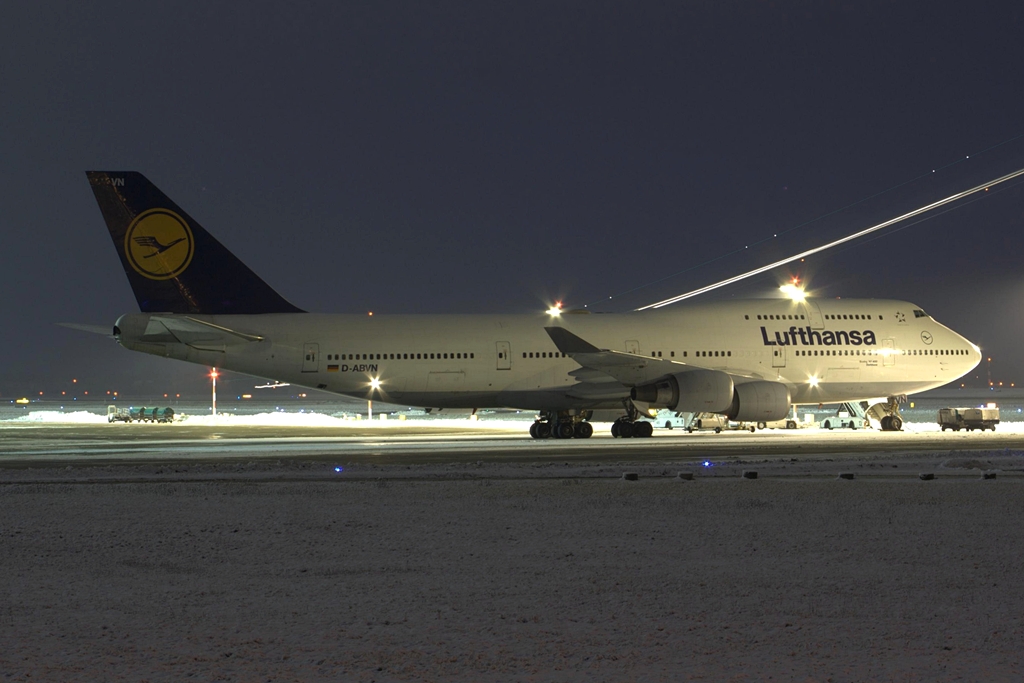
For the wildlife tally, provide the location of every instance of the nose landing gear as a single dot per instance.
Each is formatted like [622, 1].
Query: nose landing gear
[892, 421]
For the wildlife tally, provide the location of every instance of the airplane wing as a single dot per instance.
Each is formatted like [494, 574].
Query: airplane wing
[616, 366]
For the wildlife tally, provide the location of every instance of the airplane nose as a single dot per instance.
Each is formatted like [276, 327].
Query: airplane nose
[975, 354]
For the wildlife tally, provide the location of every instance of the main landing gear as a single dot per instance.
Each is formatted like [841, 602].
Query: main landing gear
[629, 426]
[561, 425]
[892, 421]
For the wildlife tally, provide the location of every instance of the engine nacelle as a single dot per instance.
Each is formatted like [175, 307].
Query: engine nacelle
[696, 391]
[759, 402]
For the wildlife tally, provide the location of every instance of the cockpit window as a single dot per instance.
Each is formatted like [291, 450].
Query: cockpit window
[918, 313]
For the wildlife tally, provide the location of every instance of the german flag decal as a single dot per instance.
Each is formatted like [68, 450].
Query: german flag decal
[332, 368]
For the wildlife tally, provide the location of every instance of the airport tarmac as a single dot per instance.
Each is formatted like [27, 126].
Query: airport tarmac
[52, 443]
[464, 550]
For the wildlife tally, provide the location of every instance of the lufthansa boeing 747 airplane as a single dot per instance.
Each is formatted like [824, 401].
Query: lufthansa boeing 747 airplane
[749, 360]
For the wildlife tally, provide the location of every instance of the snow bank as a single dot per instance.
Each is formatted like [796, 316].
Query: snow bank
[56, 416]
[283, 419]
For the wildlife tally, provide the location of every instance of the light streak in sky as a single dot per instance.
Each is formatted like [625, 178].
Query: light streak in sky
[848, 238]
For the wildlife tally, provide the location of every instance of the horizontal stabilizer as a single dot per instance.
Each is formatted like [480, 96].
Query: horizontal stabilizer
[105, 330]
[194, 325]
[199, 334]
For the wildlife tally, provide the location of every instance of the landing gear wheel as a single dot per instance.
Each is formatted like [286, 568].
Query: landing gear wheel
[564, 430]
[886, 423]
[896, 423]
[615, 430]
[543, 430]
[642, 430]
[790, 424]
[533, 430]
[626, 430]
[762, 425]
[583, 430]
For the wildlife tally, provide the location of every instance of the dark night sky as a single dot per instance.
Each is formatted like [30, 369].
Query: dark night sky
[480, 156]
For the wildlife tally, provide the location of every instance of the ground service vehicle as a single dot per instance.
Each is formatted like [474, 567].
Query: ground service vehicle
[969, 418]
[116, 414]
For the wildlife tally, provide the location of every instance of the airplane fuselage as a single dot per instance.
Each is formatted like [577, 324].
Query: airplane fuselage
[822, 350]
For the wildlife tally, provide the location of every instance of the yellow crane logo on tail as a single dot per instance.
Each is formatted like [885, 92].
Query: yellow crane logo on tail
[159, 244]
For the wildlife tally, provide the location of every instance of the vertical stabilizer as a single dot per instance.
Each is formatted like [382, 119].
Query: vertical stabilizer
[172, 263]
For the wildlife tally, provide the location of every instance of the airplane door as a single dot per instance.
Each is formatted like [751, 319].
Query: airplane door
[888, 352]
[778, 356]
[814, 315]
[504, 355]
[311, 357]
[633, 346]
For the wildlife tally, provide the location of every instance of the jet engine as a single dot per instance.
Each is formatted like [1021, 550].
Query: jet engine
[696, 391]
[759, 402]
[713, 391]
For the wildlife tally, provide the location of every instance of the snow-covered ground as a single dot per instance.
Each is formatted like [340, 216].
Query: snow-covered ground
[313, 419]
[510, 573]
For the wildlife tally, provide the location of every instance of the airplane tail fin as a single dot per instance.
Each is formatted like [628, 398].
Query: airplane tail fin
[172, 263]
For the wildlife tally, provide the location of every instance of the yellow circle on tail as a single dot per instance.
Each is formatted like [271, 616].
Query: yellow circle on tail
[159, 244]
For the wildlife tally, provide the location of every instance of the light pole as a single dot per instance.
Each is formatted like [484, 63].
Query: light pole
[374, 385]
[213, 376]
